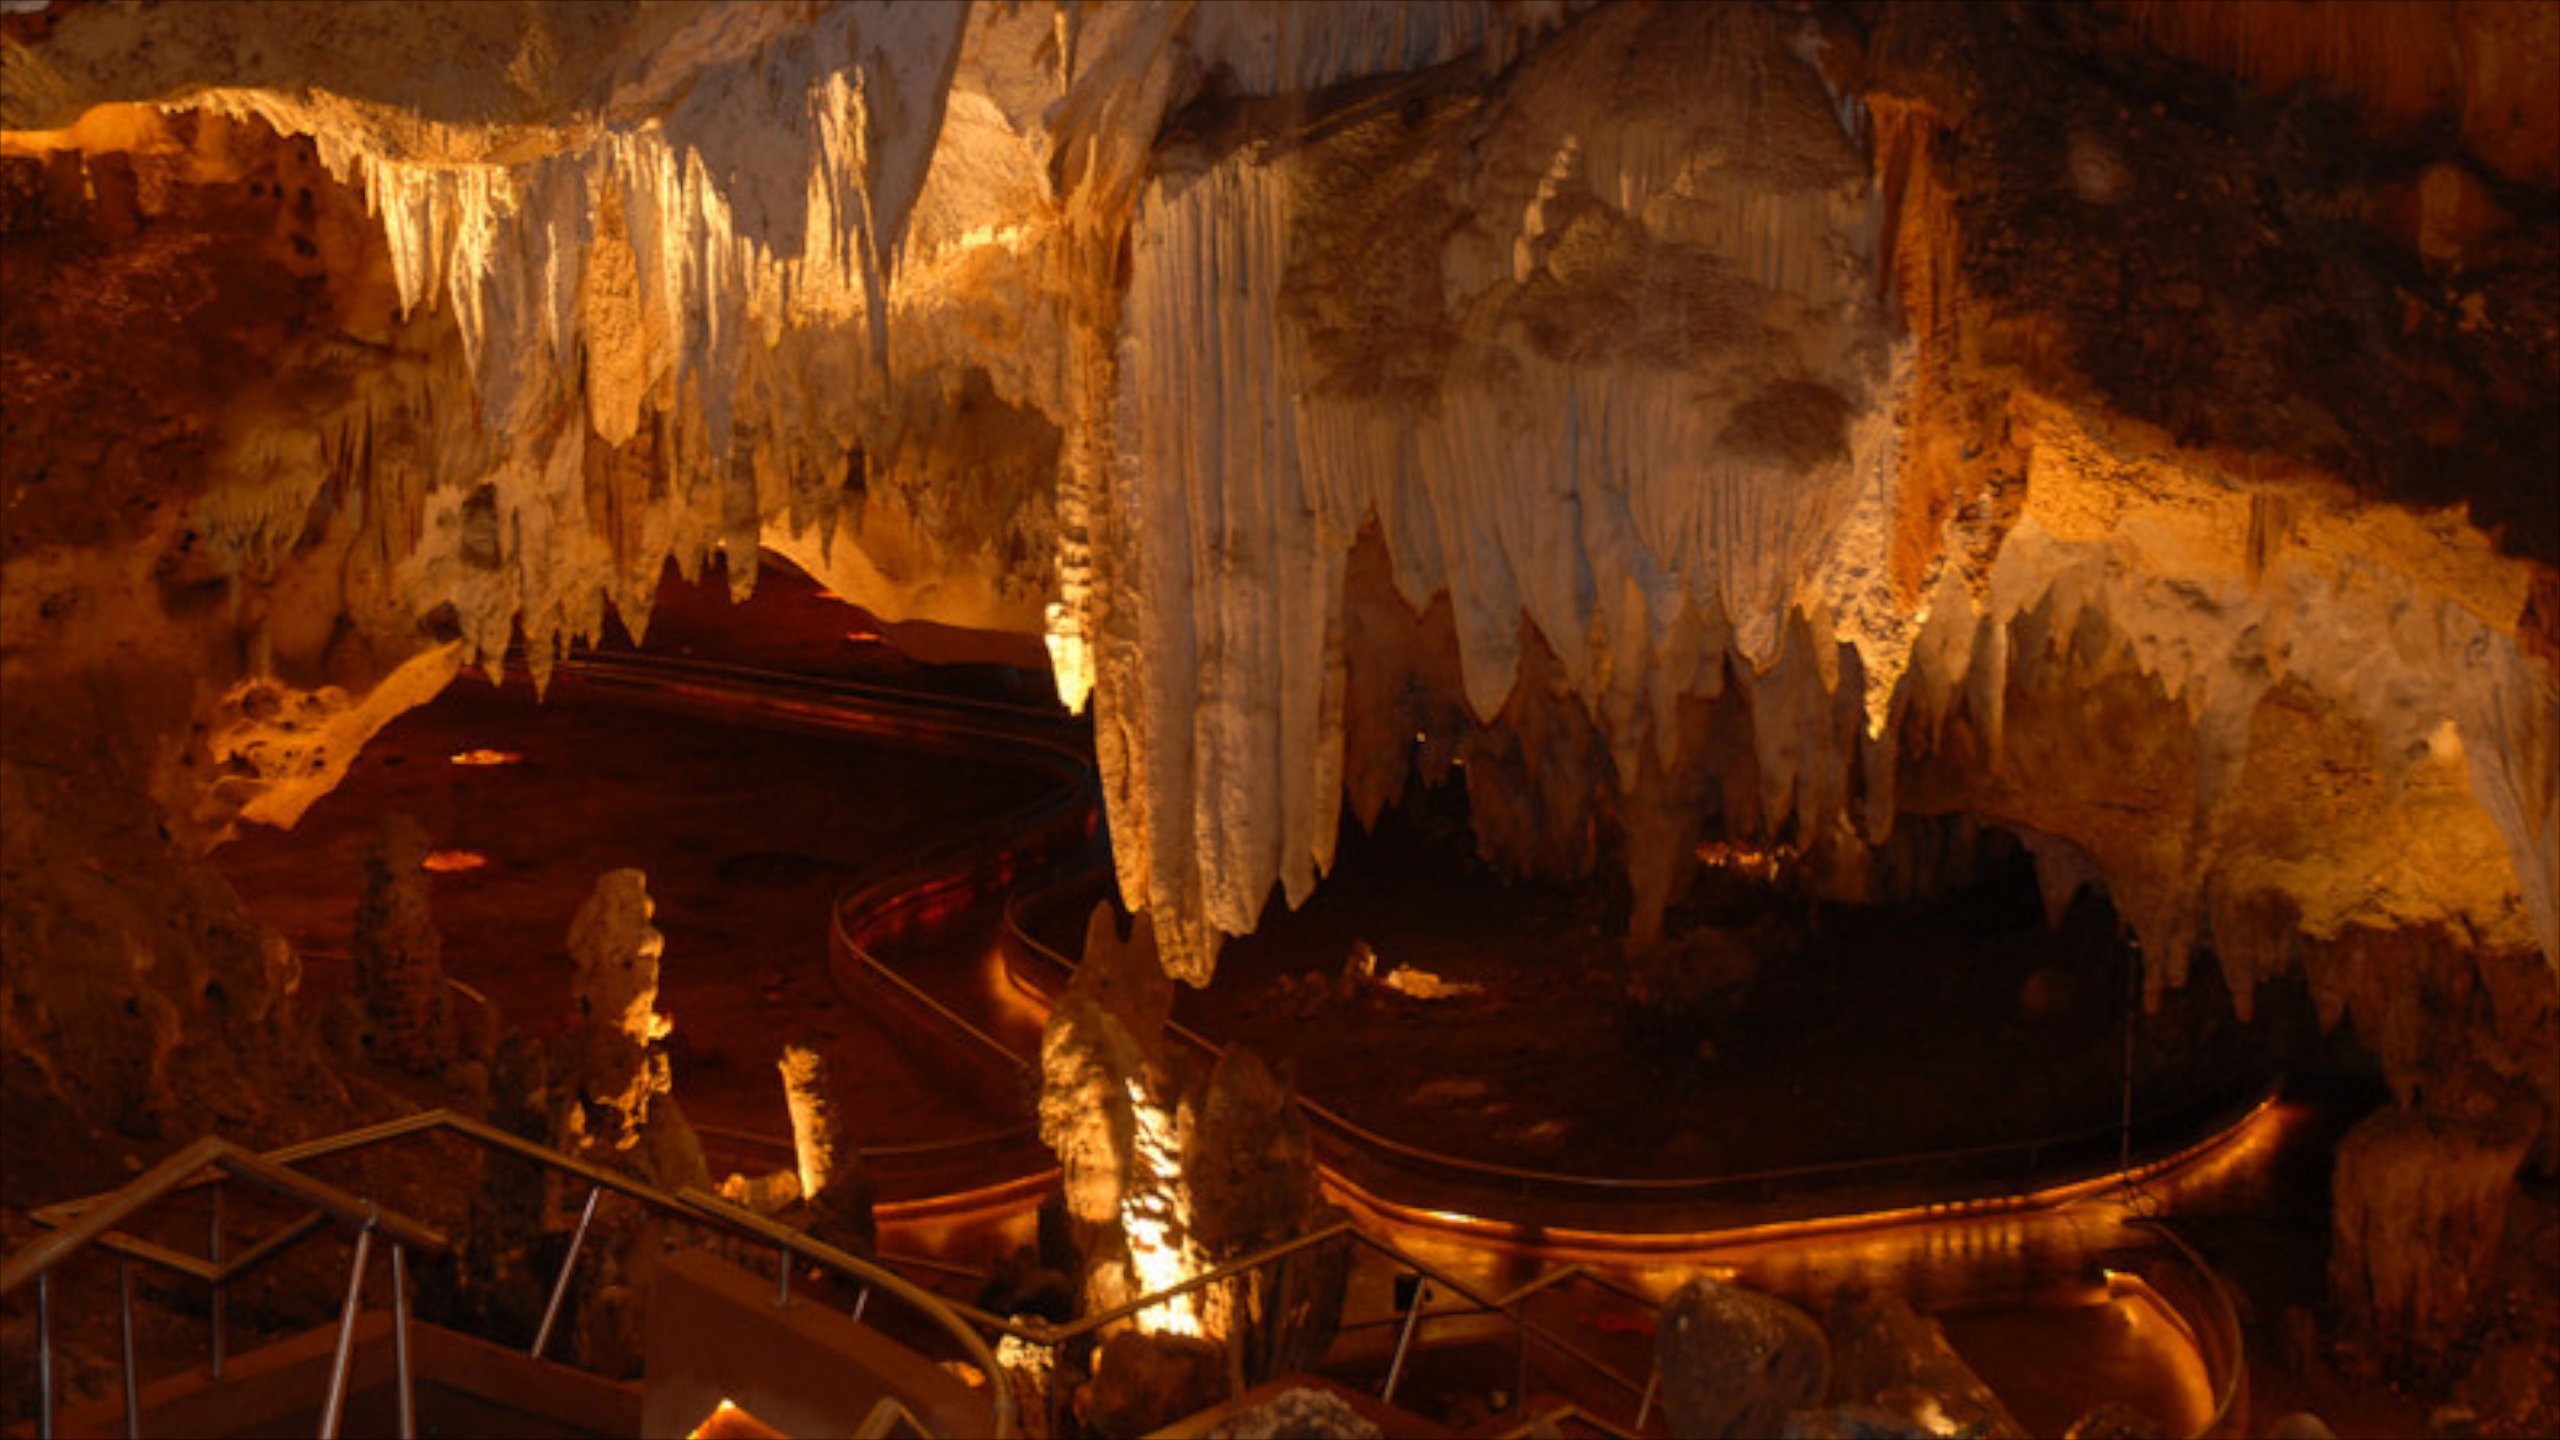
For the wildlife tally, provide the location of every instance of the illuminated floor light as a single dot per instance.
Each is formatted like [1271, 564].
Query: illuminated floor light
[487, 757]
[452, 862]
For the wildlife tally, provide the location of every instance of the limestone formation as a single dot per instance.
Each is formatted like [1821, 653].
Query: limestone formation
[833, 1182]
[619, 1061]
[399, 956]
[1303, 1411]
[1253, 1183]
[1800, 423]
[1165, 1180]
[1736, 1363]
[1885, 1356]
[1125, 977]
[1106, 1111]
[1144, 1382]
[2421, 1201]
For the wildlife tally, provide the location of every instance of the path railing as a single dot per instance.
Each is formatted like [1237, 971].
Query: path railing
[211, 1163]
[2042, 1169]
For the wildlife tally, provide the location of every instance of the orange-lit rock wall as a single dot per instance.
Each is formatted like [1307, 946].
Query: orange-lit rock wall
[2125, 424]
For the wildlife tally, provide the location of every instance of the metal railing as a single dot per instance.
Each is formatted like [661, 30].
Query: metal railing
[1036, 834]
[1411, 1320]
[82, 1224]
[2201, 1298]
[985, 858]
[2004, 1169]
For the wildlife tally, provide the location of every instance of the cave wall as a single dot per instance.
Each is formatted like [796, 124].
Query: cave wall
[2127, 427]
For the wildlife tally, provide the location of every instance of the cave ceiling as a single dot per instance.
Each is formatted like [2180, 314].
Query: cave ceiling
[2129, 424]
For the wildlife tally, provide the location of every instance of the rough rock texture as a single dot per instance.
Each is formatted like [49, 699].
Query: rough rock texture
[618, 1062]
[497, 1284]
[833, 1180]
[2422, 1201]
[1813, 379]
[1253, 1183]
[1104, 1111]
[1886, 1356]
[399, 956]
[1125, 977]
[1735, 1362]
[1773, 422]
[1316, 1414]
[1144, 1382]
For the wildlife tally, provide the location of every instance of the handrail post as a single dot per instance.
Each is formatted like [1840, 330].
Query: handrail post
[221, 1308]
[568, 1263]
[860, 1299]
[402, 1377]
[782, 1277]
[124, 1326]
[1520, 1385]
[1652, 1383]
[1412, 1322]
[334, 1407]
[44, 1354]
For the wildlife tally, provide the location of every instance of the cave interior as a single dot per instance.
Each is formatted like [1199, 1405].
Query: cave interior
[1580, 717]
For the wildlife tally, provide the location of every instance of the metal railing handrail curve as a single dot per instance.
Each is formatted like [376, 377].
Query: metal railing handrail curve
[1019, 935]
[91, 1220]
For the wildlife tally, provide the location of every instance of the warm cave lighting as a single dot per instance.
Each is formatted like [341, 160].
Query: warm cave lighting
[728, 1422]
[454, 862]
[1155, 1215]
[1423, 985]
[865, 637]
[487, 757]
[1751, 862]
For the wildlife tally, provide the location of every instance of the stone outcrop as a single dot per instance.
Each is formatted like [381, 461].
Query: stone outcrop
[2421, 1208]
[399, 955]
[1253, 1182]
[1775, 422]
[1144, 1382]
[1103, 1111]
[618, 1059]
[1736, 1363]
[619, 1081]
[1886, 1356]
[833, 1181]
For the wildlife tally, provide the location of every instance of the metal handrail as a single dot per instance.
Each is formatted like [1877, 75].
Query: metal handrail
[873, 1276]
[1513, 1175]
[1041, 740]
[927, 877]
[78, 1224]
[1036, 1331]
[2225, 1318]
[87, 1220]
[211, 1159]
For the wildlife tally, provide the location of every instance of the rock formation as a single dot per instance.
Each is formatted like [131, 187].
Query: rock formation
[1735, 1362]
[617, 1067]
[618, 1064]
[833, 1183]
[399, 956]
[1771, 422]
[2422, 1201]
[1886, 1356]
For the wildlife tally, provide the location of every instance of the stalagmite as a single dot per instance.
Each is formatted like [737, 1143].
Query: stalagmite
[399, 956]
[1652, 408]
[620, 1064]
[832, 1180]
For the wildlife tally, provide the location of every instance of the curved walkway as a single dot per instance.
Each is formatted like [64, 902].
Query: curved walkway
[1019, 860]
